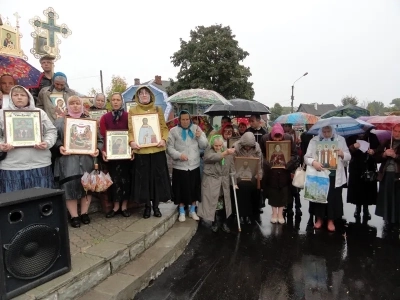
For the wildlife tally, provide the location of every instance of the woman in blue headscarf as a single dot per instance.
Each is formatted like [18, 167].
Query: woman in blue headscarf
[333, 210]
[184, 144]
[53, 99]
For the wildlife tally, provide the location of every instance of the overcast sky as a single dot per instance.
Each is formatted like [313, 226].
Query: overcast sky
[349, 47]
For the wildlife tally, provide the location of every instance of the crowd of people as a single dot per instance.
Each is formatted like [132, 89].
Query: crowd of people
[206, 176]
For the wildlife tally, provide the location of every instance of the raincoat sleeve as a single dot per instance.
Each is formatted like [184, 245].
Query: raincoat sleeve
[59, 124]
[130, 126]
[259, 155]
[163, 126]
[49, 130]
[345, 149]
[171, 151]
[211, 157]
[202, 140]
[40, 99]
[309, 157]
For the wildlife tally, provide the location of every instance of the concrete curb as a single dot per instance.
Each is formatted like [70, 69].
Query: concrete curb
[137, 275]
[100, 261]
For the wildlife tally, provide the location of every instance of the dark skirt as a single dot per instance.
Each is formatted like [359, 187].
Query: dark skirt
[11, 180]
[121, 174]
[361, 192]
[247, 197]
[72, 186]
[278, 197]
[334, 208]
[186, 186]
[150, 180]
[388, 204]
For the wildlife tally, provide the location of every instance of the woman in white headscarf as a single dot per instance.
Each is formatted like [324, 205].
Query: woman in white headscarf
[334, 208]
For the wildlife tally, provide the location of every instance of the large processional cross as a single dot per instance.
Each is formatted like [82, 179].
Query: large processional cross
[45, 35]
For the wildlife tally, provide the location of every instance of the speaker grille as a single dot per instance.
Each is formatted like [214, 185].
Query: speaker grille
[32, 251]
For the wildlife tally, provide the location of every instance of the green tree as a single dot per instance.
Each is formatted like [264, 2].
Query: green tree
[118, 85]
[376, 108]
[349, 100]
[396, 103]
[92, 92]
[276, 111]
[211, 60]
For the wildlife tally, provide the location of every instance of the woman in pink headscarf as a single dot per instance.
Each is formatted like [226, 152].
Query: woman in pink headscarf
[69, 168]
[277, 181]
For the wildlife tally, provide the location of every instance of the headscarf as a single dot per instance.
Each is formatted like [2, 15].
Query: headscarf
[185, 131]
[226, 126]
[321, 136]
[74, 115]
[59, 74]
[105, 99]
[212, 141]
[117, 113]
[277, 129]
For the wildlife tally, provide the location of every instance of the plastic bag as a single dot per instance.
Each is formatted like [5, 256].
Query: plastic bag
[299, 178]
[316, 186]
[85, 180]
[103, 182]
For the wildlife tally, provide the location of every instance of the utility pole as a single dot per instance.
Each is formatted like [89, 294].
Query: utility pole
[292, 97]
[101, 82]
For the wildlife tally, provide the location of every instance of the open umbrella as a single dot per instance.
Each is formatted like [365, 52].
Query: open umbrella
[384, 122]
[238, 107]
[347, 110]
[345, 126]
[297, 118]
[197, 96]
[382, 135]
[25, 74]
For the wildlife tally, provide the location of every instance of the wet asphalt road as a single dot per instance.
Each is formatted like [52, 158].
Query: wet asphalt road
[279, 262]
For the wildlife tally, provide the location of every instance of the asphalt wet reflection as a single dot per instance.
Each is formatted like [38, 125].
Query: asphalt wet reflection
[279, 262]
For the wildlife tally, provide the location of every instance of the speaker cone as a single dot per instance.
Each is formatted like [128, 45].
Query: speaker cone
[32, 251]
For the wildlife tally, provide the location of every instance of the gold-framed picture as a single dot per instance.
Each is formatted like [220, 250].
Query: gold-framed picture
[60, 107]
[278, 153]
[246, 169]
[96, 114]
[117, 145]
[146, 129]
[326, 154]
[80, 136]
[232, 140]
[129, 105]
[22, 128]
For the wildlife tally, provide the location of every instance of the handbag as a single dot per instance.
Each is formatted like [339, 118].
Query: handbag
[299, 177]
[369, 175]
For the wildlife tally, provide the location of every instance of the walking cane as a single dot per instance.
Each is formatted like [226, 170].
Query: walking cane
[236, 205]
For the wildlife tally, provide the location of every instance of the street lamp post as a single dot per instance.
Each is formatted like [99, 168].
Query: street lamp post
[305, 74]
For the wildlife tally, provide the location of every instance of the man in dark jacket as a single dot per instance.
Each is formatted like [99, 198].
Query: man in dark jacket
[45, 78]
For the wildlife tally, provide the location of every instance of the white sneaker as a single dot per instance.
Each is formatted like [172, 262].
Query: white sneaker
[194, 216]
[182, 218]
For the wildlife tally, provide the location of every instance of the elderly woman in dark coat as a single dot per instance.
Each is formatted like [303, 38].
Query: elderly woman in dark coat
[361, 192]
[248, 193]
[69, 168]
[215, 186]
[388, 155]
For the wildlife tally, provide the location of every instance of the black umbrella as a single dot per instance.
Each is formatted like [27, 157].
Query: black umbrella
[239, 107]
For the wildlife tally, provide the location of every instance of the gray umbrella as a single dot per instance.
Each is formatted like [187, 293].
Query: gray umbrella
[239, 108]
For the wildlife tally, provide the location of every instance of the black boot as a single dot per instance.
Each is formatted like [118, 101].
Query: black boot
[366, 214]
[147, 212]
[357, 212]
[157, 212]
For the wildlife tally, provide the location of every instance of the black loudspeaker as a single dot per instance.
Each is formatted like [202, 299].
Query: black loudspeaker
[33, 238]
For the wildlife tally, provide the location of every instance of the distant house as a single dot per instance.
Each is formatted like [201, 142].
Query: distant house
[315, 108]
[158, 87]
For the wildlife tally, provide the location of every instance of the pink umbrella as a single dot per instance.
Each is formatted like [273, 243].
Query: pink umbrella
[384, 122]
[382, 135]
